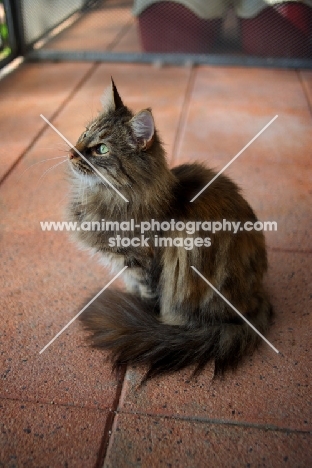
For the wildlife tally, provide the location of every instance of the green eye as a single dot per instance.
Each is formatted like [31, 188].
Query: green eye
[101, 149]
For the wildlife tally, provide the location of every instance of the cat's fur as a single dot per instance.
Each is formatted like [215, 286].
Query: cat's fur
[169, 318]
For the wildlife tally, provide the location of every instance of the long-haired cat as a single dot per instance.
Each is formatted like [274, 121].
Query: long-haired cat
[169, 317]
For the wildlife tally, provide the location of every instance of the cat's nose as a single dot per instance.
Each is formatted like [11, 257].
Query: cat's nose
[72, 154]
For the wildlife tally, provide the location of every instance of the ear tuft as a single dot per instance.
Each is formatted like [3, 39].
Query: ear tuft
[144, 128]
[111, 99]
[117, 99]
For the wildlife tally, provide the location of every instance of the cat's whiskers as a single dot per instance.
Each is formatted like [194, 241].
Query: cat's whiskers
[63, 148]
[48, 170]
[41, 162]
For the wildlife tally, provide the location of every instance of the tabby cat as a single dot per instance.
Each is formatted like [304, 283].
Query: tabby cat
[169, 317]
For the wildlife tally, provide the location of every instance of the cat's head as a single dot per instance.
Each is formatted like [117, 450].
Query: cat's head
[118, 145]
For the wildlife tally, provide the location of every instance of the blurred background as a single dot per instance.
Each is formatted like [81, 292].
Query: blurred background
[249, 32]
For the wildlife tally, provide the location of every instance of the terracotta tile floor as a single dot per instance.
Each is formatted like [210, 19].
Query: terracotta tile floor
[64, 408]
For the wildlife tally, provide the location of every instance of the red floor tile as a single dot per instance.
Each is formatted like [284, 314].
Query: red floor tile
[24, 96]
[229, 106]
[140, 440]
[38, 435]
[46, 284]
[274, 171]
[281, 193]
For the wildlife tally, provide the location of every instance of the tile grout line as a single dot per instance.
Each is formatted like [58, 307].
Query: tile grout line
[286, 250]
[183, 114]
[34, 140]
[110, 419]
[225, 422]
[173, 417]
[304, 89]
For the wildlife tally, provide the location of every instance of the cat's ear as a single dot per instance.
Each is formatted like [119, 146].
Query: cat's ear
[111, 99]
[143, 128]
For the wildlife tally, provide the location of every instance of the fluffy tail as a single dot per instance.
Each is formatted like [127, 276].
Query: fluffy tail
[121, 323]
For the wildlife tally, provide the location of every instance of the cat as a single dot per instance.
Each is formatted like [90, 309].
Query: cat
[168, 318]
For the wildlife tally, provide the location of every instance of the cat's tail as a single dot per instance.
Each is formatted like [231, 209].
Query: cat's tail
[121, 323]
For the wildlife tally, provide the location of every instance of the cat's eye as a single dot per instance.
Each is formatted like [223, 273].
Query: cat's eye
[101, 149]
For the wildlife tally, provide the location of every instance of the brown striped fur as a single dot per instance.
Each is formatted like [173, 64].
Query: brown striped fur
[169, 318]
